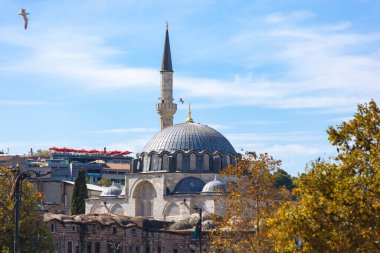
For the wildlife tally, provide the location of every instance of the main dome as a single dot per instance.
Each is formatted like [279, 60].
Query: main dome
[189, 136]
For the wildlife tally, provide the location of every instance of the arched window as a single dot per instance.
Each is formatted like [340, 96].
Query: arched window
[206, 162]
[193, 161]
[165, 162]
[154, 162]
[144, 195]
[217, 163]
[228, 159]
[179, 161]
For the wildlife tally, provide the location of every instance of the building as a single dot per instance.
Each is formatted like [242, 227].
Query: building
[66, 162]
[107, 233]
[115, 172]
[177, 169]
[58, 194]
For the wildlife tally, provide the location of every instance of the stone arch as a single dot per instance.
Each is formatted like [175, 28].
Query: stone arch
[96, 208]
[117, 209]
[172, 210]
[144, 195]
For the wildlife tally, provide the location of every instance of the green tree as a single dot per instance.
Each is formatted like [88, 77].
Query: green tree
[43, 153]
[79, 193]
[104, 182]
[252, 198]
[34, 236]
[339, 199]
[282, 178]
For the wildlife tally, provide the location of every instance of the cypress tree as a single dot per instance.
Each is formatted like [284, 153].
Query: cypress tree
[79, 194]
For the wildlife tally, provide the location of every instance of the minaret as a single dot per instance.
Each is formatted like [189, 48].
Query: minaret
[166, 108]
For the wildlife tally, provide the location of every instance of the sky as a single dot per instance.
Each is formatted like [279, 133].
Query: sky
[271, 76]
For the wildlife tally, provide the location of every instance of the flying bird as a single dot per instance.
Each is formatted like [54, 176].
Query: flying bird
[181, 100]
[24, 17]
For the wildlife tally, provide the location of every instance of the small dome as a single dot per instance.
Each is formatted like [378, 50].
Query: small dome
[112, 191]
[214, 186]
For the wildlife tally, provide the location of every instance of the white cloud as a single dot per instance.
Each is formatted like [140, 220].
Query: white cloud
[325, 67]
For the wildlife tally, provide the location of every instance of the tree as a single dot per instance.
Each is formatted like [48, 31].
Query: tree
[251, 199]
[79, 193]
[34, 235]
[43, 153]
[282, 178]
[104, 182]
[339, 199]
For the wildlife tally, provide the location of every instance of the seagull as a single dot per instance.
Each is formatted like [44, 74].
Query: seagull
[24, 17]
[181, 100]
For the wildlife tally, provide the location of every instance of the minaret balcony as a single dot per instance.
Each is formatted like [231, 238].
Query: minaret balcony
[166, 107]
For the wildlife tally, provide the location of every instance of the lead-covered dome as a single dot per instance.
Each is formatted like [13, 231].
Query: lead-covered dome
[112, 191]
[189, 136]
[214, 186]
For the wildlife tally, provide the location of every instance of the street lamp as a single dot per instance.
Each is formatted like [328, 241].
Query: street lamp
[16, 190]
[196, 208]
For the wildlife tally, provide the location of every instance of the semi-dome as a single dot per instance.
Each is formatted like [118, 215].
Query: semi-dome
[112, 191]
[189, 136]
[214, 186]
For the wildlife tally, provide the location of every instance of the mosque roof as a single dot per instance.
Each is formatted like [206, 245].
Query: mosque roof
[189, 136]
[111, 191]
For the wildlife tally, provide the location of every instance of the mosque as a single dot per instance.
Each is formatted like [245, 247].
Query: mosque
[177, 169]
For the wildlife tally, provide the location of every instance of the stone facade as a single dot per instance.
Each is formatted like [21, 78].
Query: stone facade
[162, 196]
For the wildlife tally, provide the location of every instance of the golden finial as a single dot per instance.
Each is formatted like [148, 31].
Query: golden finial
[189, 119]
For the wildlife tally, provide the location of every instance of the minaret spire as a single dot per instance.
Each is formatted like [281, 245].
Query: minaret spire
[166, 108]
[166, 56]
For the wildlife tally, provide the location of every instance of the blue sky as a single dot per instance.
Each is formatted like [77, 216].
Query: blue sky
[270, 75]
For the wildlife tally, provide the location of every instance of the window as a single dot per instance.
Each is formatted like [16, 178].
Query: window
[114, 231]
[89, 249]
[133, 231]
[165, 162]
[74, 228]
[179, 161]
[130, 250]
[53, 228]
[57, 247]
[175, 251]
[69, 247]
[206, 162]
[228, 158]
[147, 249]
[193, 162]
[159, 250]
[97, 247]
[77, 249]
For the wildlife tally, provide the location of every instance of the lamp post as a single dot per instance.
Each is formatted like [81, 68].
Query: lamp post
[196, 208]
[19, 176]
